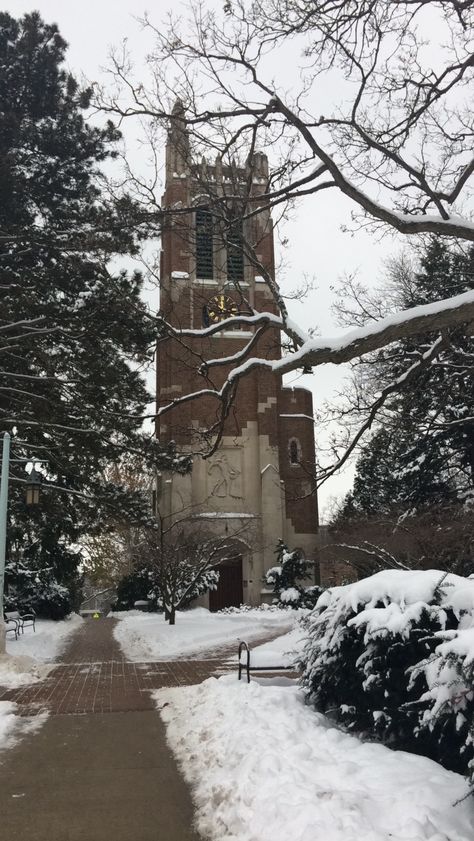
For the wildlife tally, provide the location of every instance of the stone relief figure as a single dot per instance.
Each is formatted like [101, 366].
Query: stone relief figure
[225, 479]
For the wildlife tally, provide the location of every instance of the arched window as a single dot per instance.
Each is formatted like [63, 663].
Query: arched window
[204, 244]
[294, 451]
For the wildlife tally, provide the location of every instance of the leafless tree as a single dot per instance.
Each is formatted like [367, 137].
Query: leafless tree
[439, 537]
[184, 563]
[395, 138]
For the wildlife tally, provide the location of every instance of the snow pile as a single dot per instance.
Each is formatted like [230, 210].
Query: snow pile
[8, 721]
[285, 650]
[48, 641]
[392, 655]
[13, 726]
[147, 636]
[265, 767]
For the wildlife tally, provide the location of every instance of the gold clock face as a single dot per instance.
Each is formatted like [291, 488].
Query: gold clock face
[220, 307]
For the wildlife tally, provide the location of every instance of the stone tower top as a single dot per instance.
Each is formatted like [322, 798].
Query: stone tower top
[179, 162]
[178, 154]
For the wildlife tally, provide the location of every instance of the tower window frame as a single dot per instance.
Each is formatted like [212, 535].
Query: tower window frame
[294, 452]
[235, 268]
[204, 243]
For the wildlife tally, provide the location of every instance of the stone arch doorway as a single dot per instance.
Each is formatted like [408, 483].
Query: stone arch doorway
[229, 591]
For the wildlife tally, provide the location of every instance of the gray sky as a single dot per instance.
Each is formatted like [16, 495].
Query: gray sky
[317, 245]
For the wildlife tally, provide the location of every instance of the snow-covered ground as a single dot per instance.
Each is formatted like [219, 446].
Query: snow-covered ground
[34, 649]
[147, 637]
[265, 767]
[12, 726]
[282, 651]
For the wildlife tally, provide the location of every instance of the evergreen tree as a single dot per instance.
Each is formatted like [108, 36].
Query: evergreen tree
[422, 454]
[74, 328]
[286, 578]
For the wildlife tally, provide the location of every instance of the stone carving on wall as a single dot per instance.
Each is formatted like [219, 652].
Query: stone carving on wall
[225, 476]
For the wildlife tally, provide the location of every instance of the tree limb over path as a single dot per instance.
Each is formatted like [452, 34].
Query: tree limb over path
[394, 138]
[428, 318]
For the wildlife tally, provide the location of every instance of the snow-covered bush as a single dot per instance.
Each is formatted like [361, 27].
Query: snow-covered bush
[134, 587]
[382, 655]
[448, 703]
[38, 590]
[261, 608]
[285, 578]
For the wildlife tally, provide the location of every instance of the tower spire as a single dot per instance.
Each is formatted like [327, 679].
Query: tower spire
[178, 154]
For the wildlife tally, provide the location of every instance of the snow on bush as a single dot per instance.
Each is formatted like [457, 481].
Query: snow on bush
[285, 579]
[246, 608]
[36, 589]
[392, 656]
[448, 703]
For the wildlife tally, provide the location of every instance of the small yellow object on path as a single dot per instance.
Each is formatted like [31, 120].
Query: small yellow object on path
[96, 616]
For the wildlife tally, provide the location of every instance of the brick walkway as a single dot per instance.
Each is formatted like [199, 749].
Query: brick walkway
[94, 677]
[99, 767]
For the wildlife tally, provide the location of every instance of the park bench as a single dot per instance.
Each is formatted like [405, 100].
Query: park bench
[260, 661]
[11, 627]
[19, 621]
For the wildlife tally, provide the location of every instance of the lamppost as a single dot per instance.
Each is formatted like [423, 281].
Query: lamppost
[32, 498]
[3, 529]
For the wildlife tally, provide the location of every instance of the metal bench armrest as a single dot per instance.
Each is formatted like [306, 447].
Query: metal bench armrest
[14, 626]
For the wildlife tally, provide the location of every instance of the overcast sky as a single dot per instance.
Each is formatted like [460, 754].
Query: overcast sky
[317, 246]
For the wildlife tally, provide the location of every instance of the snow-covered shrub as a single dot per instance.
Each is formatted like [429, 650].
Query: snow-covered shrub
[448, 703]
[285, 578]
[262, 608]
[36, 589]
[374, 660]
[134, 587]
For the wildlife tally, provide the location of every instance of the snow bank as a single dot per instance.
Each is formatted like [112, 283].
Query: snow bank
[48, 641]
[148, 637]
[285, 650]
[12, 726]
[265, 767]
[8, 721]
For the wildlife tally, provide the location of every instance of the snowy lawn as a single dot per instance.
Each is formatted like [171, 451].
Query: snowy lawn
[265, 767]
[282, 651]
[147, 637]
[32, 650]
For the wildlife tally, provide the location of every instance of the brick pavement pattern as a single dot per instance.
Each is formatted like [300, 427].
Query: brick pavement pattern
[94, 677]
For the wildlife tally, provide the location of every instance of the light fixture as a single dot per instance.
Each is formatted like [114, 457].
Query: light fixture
[33, 487]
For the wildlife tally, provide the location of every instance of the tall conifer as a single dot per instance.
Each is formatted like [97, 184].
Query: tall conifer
[73, 328]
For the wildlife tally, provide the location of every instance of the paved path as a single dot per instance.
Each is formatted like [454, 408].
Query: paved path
[94, 677]
[99, 769]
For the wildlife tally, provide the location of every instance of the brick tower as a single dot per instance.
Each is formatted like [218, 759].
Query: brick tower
[257, 487]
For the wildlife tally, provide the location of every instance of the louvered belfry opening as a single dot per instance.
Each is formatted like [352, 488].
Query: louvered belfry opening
[204, 244]
[235, 253]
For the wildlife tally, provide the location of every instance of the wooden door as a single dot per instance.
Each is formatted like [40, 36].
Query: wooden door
[229, 591]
